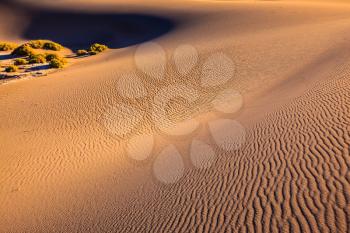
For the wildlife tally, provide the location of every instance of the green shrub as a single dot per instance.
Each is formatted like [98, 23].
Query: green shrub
[20, 61]
[97, 48]
[52, 46]
[82, 52]
[7, 46]
[51, 56]
[23, 50]
[45, 44]
[37, 58]
[36, 44]
[57, 63]
[11, 69]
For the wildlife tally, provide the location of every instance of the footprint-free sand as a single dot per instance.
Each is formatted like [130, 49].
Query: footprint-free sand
[63, 170]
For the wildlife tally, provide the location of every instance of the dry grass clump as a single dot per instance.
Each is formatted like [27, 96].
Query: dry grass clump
[23, 50]
[37, 59]
[52, 46]
[93, 50]
[7, 46]
[11, 69]
[45, 44]
[27, 49]
[29, 55]
[57, 63]
[36, 44]
[51, 56]
[20, 61]
[97, 48]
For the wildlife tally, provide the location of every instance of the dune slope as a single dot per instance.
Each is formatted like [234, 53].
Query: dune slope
[63, 170]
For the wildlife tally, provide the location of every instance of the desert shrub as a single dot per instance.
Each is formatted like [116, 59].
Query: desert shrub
[97, 48]
[82, 52]
[27, 48]
[7, 46]
[45, 44]
[52, 46]
[11, 69]
[57, 63]
[36, 44]
[23, 50]
[37, 58]
[20, 61]
[51, 56]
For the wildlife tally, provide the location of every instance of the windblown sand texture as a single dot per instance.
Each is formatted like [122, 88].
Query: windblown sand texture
[61, 170]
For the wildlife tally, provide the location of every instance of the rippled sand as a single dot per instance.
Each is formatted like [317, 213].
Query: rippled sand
[88, 149]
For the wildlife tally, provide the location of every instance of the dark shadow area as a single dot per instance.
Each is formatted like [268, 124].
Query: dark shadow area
[5, 77]
[79, 29]
[6, 56]
[38, 68]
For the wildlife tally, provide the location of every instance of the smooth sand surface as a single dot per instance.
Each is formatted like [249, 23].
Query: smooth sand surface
[65, 168]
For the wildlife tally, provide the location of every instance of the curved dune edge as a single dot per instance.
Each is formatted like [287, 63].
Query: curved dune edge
[61, 171]
[76, 29]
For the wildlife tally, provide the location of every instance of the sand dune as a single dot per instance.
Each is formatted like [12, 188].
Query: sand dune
[78, 29]
[275, 73]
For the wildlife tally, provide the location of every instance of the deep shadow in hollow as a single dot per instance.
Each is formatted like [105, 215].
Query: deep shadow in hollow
[78, 30]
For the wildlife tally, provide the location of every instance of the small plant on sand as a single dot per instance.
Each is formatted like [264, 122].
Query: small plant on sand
[52, 46]
[36, 44]
[51, 56]
[57, 63]
[82, 52]
[7, 46]
[36, 58]
[45, 44]
[20, 61]
[23, 50]
[97, 48]
[11, 69]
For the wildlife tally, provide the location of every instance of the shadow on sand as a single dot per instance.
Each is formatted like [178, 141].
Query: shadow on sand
[6, 56]
[77, 29]
[38, 68]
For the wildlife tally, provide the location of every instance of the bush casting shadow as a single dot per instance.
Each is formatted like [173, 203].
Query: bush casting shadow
[78, 30]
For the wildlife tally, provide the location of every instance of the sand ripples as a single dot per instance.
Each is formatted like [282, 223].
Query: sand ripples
[79, 150]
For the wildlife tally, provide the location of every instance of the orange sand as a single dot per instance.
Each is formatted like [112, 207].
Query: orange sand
[61, 169]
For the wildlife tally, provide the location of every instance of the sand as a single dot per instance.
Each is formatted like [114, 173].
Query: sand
[261, 89]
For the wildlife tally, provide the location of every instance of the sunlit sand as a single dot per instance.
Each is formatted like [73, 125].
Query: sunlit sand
[203, 116]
